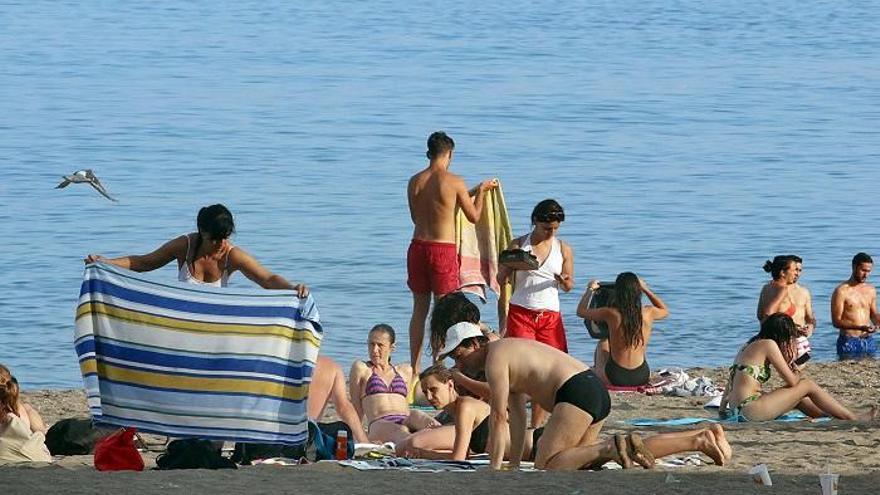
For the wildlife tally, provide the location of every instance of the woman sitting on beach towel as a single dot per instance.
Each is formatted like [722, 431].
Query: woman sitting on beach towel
[775, 346]
[379, 390]
[620, 359]
[22, 430]
[470, 434]
[206, 256]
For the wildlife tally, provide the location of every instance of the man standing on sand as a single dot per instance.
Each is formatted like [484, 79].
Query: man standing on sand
[854, 311]
[432, 259]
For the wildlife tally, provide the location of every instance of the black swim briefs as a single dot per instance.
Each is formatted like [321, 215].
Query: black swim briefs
[587, 392]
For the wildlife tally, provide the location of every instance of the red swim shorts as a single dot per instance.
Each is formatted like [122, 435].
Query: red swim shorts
[432, 267]
[544, 326]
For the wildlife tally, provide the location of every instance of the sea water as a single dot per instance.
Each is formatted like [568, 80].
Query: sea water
[687, 141]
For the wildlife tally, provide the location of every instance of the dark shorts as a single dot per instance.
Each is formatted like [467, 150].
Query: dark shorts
[625, 377]
[544, 326]
[587, 392]
[856, 346]
[432, 267]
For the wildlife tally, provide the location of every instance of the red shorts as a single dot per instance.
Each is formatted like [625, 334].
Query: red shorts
[432, 267]
[544, 326]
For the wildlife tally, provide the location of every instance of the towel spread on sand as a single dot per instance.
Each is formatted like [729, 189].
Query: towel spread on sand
[195, 361]
[788, 417]
[480, 244]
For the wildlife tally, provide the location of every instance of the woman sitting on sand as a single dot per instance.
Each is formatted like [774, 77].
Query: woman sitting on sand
[470, 434]
[620, 359]
[22, 430]
[379, 390]
[775, 345]
[206, 256]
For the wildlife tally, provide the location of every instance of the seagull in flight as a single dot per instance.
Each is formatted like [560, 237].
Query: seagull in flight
[85, 176]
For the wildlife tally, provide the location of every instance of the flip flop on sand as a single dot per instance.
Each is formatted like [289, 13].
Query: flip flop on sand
[622, 454]
[640, 454]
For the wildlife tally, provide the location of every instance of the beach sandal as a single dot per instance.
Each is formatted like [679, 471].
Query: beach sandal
[640, 453]
[622, 455]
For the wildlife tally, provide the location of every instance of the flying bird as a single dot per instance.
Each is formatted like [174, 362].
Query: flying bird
[85, 176]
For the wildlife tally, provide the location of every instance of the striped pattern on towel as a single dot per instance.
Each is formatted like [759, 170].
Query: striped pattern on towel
[194, 361]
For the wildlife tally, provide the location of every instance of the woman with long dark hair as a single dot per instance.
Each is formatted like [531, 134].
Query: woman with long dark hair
[774, 347]
[207, 256]
[620, 359]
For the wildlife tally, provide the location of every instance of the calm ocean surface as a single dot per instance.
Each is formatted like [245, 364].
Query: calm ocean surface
[687, 141]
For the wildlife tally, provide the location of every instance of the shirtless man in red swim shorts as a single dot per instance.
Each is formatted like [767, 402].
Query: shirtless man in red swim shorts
[432, 259]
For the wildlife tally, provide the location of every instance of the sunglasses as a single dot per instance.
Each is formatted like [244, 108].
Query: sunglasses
[553, 216]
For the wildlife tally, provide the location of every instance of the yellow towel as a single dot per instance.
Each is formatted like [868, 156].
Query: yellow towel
[480, 244]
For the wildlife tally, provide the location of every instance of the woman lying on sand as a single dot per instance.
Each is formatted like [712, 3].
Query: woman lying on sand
[620, 359]
[775, 345]
[379, 390]
[470, 434]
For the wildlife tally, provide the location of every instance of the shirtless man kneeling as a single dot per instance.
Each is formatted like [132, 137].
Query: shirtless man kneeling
[579, 403]
[854, 311]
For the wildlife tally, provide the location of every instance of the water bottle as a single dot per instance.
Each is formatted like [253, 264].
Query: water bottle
[341, 445]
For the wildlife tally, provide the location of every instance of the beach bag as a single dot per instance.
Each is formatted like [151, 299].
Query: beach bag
[193, 453]
[320, 446]
[117, 452]
[75, 436]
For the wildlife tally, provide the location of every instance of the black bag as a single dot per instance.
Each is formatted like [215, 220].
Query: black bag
[75, 436]
[321, 445]
[193, 453]
[518, 259]
[601, 299]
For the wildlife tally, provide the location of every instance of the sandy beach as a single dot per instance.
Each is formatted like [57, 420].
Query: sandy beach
[796, 452]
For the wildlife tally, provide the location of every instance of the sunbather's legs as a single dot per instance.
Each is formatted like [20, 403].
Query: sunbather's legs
[432, 443]
[784, 399]
[807, 407]
[600, 359]
[421, 305]
[569, 440]
[322, 384]
[328, 383]
[539, 416]
[420, 420]
[702, 440]
[382, 431]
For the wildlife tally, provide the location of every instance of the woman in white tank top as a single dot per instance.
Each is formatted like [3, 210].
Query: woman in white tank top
[207, 256]
[534, 306]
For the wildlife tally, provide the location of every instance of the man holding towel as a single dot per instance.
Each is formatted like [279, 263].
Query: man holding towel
[432, 259]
